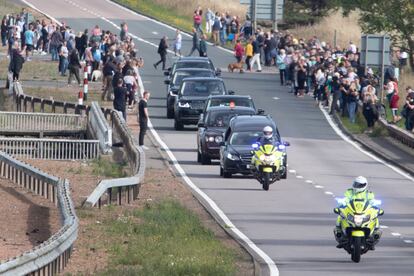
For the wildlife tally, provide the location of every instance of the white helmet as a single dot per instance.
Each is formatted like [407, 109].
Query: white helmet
[360, 184]
[268, 132]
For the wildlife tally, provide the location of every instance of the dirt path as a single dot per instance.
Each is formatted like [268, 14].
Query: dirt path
[27, 220]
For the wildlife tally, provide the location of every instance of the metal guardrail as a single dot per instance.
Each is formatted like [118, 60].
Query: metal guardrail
[40, 122]
[129, 186]
[399, 134]
[50, 149]
[51, 256]
[99, 128]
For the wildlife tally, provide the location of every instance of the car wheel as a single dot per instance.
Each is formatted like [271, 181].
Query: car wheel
[178, 125]
[205, 160]
[170, 113]
[226, 174]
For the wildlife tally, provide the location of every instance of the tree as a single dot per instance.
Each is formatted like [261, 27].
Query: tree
[394, 17]
[303, 12]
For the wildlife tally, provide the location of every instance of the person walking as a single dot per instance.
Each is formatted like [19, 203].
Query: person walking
[74, 66]
[162, 51]
[256, 55]
[120, 95]
[203, 46]
[143, 117]
[238, 51]
[178, 42]
[249, 54]
[196, 43]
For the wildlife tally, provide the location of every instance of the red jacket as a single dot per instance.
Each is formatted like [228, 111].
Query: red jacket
[197, 19]
[238, 50]
[394, 100]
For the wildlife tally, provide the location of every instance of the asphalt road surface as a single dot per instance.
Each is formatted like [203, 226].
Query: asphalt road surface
[292, 222]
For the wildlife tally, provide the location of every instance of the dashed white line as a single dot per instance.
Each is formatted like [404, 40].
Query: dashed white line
[309, 181]
[299, 176]
[328, 193]
[276, 98]
[395, 234]
[318, 187]
[292, 171]
[408, 241]
[384, 227]
[155, 33]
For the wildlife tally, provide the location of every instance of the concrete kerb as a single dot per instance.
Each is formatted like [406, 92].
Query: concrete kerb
[361, 143]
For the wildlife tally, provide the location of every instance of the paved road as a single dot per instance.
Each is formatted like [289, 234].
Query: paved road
[292, 222]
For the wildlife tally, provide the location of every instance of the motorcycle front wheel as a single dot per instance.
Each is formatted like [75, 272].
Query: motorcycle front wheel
[356, 250]
[266, 181]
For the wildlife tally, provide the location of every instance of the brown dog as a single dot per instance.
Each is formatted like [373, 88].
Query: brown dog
[236, 66]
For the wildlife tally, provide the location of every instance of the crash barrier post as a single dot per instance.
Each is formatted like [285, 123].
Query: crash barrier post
[85, 81]
[99, 128]
[15, 122]
[51, 256]
[50, 149]
[128, 187]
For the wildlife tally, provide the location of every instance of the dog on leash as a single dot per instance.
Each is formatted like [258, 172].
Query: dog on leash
[96, 75]
[236, 66]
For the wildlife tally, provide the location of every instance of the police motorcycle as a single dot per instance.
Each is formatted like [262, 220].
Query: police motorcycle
[268, 163]
[359, 225]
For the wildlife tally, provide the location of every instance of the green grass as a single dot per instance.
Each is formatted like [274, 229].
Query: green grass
[107, 168]
[360, 126]
[389, 117]
[162, 13]
[165, 239]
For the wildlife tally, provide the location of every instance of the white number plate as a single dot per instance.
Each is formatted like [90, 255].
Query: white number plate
[247, 166]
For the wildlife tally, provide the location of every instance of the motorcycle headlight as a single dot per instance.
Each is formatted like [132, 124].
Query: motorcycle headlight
[183, 104]
[281, 147]
[218, 139]
[262, 157]
[231, 156]
[358, 219]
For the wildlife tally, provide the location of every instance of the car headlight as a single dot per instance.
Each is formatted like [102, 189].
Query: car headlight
[210, 139]
[218, 139]
[232, 157]
[183, 104]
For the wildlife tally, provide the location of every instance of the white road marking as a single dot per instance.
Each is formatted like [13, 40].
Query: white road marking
[299, 176]
[274, 271]
[155, 33]
[292, 171]
[358, 147]
[318, 187]
[309, 181]
[408, 241]
[276, 98]
[383, 226]
[328, 193]
[395, 234]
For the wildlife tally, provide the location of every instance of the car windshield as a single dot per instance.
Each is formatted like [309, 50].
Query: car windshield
[202, 88]
[193, 64]
[245, 138]
[222, 118]
[246, 102]
[179, 76]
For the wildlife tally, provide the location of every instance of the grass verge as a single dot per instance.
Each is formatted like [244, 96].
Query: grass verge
[360, 126]
[164, 239]
[107, 168]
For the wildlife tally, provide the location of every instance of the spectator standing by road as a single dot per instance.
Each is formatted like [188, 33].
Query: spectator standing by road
[197, 21]
[352, 102]
[28, 38]
[143, 117]
[196, 43]
[178, 42]
[16, 61]
[369, 109]
[55, 42]
[209, 20]
[394, 107]
[108, 73]
[63, 59]
[120, 94]
[162, 51]
[408, 111]
[216, 29]
[203, 46]
[280, 62]
[4, 31]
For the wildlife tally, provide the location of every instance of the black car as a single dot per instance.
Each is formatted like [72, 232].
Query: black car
[242, 133]
[173, 84]
[191, 99]
[212, 127]
[193, 62]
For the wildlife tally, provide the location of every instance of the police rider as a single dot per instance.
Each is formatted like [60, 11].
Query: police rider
[267, 137]
[358, 191]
